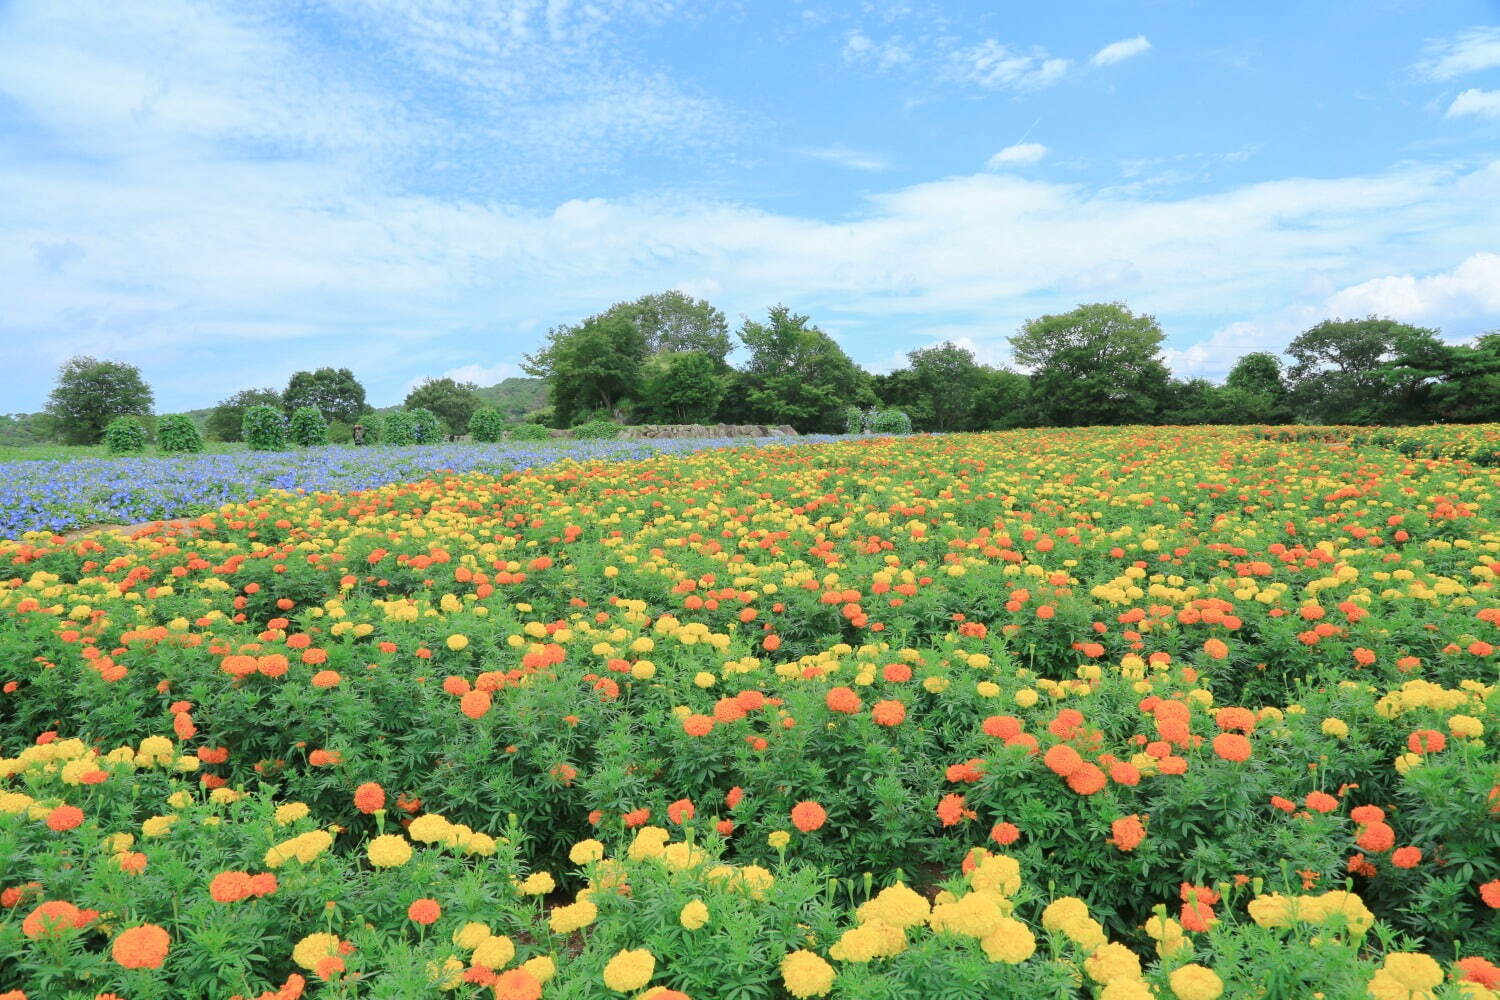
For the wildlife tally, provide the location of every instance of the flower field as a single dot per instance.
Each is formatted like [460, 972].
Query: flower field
[1110, 713]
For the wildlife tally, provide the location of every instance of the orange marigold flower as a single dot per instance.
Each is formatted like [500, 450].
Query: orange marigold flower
[681, 811]
[951, 809]
[475, 704]
[1232, 747]
[1490, 893]
[424, 911]
[1406, 857]
[1087, 780]
[636, 817]
[517, 984]
[888, 713]
[1005, 834]
[55, 917]
[1285, 805]
[844, 700]
[697, 725]
[808, 816]
[1216, 649]
[324, 758]
[1122, 773]
[64, 818]
[1127, 833]
[1002, 727]
[1320, 802]
[229, 887]
[1376, 838]
[369, 797]
[1236, 718]
[1426, 741]
[1479, 970]
[143, 947]
[1367, 814]
[1062, 760]
[326, 679]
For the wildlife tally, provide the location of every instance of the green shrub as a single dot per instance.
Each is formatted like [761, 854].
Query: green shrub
[124, 436]
[374, 425]
[528, 432]
[264, 428]
[891, 422]
[426, 426]
[308, 427]
[486, 424]
[176, 432]
[854, 420]
[398, 428]
[597, 430]
[341, 433]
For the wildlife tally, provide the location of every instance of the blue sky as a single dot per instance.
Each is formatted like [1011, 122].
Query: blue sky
[224, 192]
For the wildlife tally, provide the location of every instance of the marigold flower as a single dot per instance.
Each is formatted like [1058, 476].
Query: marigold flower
[424, 911]
[1087, 780]
[694, 915]
[369, 797]
[1406, 857]
[1196, 982]
[1005, 834]
[55, 917]
[142, 947]
[326, 679]
[64, 818]
[517, 984]
[1062, 760]
[806, 974]
[1232, 747]
[808, 816]
[697, 725]
[1320, 802]
[843, 700]
[1490, 893]
[388, 851]
[888, 713]
[1127, 833]
[629, 970]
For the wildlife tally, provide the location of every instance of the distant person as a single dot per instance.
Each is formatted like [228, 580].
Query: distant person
[359, 433]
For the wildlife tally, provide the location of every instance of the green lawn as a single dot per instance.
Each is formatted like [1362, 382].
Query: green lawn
[36, 452]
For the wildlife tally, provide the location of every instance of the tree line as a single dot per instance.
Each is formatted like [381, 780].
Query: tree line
[664, 358]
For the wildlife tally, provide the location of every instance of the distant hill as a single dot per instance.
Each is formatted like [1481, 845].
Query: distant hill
[514, 397]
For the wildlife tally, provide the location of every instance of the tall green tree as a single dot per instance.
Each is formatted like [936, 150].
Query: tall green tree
[1001, 400]
[798, 375]
[1256, 391]
[334, 392]
[1364, 371]
[673, 322]
[225, 421]
[90, 393]
[454, 402]
[593, 366]
[1469, 390]
[1098, 364]
[685, 387]
[947, 376]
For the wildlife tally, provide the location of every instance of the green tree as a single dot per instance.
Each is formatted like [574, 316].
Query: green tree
[682, 388]
[90, 393]
[673, 323]
[176, 432]
[487, 424]
[1469, 391]
[307, 428]
[901, 388]
[1365, 371]
[947, 377]
[1255, 391]
[1002, 399]
[593, 366]
[797, 375]
[454, 402]
[225, 421]
[1098, 364]
[335, 392]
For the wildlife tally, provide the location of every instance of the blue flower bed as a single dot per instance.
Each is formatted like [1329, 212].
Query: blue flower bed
[62, 495]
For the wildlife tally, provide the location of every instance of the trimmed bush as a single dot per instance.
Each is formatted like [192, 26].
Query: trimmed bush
[124, 436]
[341, 433]
[528, 432]
[308, 427]
[176, 432]
[264, 428]
[891, 422]
[426, 426]
[854, 420]
[486, 425]
[597, 430]
[398, 428]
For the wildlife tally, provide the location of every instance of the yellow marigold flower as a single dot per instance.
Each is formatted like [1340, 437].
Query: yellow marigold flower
[481, 844]
[1061, 911]
[1086, 932]
[1270, 910]
[1465, 726]
[1406, 976]
[649, 842]
[538, 884]
[470, 935]
[778, 839]
[976, 915]
[15, 803]
[156, 750]
[158, 826]
[868, 941]
[457, 641]
[1112, 961]
[388, 851]
[180, 800]
[1127, 989]
[1337, 728]
[567, 919]
[896, 905]
[1195, 982]
[429, 828]
[542, 968]
[694, 915]
[629, 970]
[494, 952]
[448, 976]
[1026, 697]
[1010, 942]
[806, 974]
[997, 873]
[585, 851]
[291, 813]
[314, 948]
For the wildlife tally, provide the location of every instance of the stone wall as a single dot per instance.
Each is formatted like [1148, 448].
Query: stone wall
[706, 431]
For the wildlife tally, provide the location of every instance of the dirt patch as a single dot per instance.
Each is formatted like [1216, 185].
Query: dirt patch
[181, 527]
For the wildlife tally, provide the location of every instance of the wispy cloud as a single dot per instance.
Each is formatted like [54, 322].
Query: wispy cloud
[861, 49]
[996, 66]
[853, 159]
[1020, 154]
[1483, 103]
[1468, 52]
[1125, 48]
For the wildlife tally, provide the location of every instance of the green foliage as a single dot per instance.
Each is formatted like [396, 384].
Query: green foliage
[307, 428]
[125, 436]
[682, 388]
[797, 375]
[487, 424]
[341, 433]
[91, 393]
[398, 428]
[948, 377]
[527, 432]
[1098, 364]
[597, 430]
[515, 398]
[854, 420]
[1365, 371]
[177, 433]
[595, 365]
[225, 421]
[891, 422]
[674, 323]
[335, 392]
[453, 401]
[426, 428]
[264, 428]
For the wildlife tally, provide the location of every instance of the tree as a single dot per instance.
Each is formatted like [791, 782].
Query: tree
[797, 375]
[682, 388]
[673, 323]
[947, 378]
[1001, 399]
[1098, 364]
[1256, 391]
[593, 366]
[454, 402]
[1364, 371]
[335, 392]
[225, 421]
[1470, 388]
[90, 393]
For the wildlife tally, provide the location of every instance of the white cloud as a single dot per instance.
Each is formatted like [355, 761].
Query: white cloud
[996, 66]
[1470, 290]
[484, 375]
[861, 49]
[1017, 155]
[1468, 52]
[853, 159]
[1484, 103]
[1125, 48]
